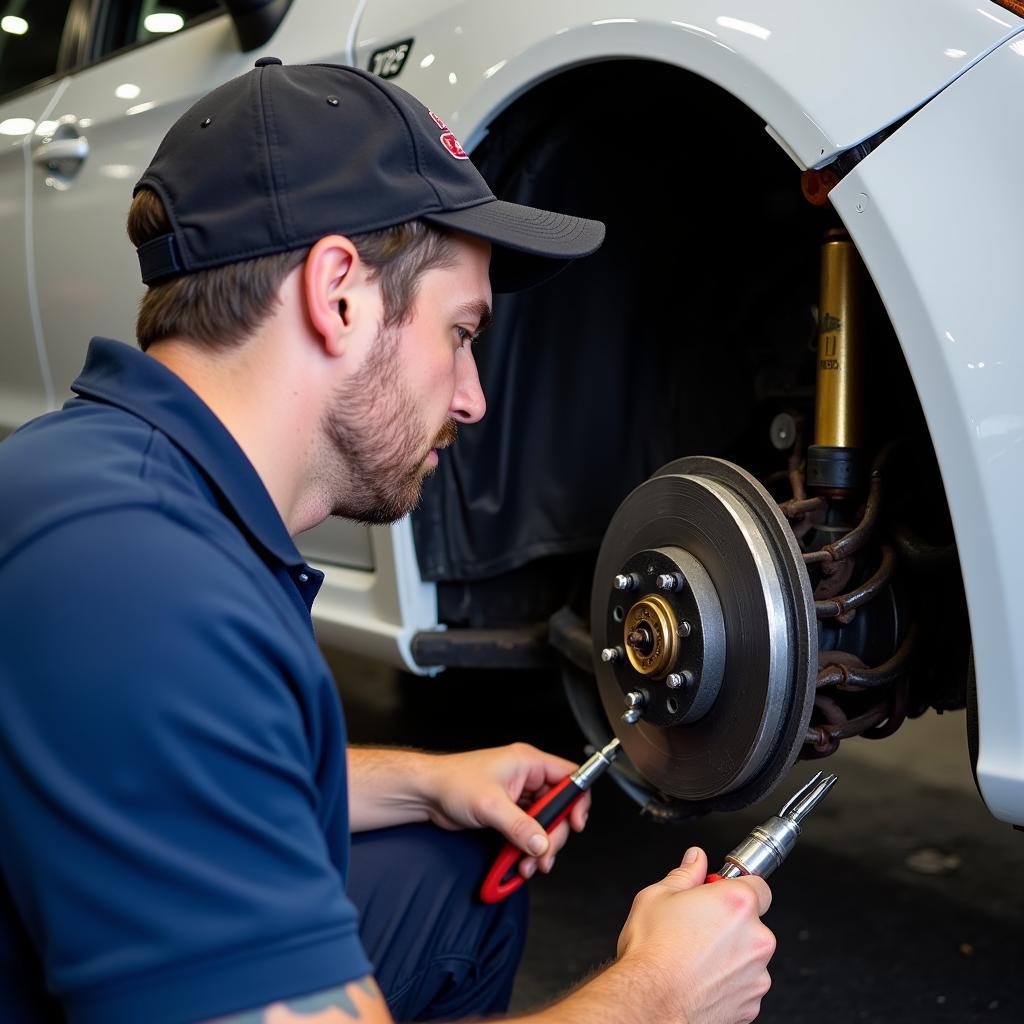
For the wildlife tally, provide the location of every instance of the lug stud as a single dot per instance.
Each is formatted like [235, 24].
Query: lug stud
[611, 654]
[685, 629]
[675, 680]
[632, 716]
[623, 582]
[635, 699]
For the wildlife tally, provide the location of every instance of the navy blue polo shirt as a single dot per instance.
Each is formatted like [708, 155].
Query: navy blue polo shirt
[173, 802]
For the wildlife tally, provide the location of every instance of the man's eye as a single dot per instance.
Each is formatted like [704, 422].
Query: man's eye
[466, 336]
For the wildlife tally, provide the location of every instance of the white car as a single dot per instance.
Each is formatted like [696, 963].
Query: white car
[753, 497]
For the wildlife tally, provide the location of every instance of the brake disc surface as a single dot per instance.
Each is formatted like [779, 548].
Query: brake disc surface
[703, 605]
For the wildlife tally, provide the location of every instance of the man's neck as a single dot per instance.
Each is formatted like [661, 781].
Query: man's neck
[252, 394]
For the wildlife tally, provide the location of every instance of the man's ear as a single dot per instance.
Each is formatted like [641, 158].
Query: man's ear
[334, 288]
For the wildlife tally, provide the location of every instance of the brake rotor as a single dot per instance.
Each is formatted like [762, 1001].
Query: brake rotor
[705, 635]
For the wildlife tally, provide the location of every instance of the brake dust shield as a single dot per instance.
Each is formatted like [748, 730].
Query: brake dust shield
[704, 632]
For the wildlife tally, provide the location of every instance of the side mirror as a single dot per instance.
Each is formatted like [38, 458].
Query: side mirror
[256, 20]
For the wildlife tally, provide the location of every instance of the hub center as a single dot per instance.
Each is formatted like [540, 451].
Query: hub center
[642, 640]
[650, 636]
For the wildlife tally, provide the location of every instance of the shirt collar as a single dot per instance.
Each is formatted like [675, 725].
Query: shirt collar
[123, 376]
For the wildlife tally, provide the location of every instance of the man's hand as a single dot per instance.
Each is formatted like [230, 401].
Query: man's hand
[479, 789]
[701, 948]
[491, 788]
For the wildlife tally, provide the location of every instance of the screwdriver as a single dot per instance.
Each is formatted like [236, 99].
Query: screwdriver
[770, 843]
[550, 811]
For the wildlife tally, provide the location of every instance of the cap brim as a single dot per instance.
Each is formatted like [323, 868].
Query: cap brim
[530, 245]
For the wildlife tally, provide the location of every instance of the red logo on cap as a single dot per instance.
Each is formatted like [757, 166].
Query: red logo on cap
[448, 139]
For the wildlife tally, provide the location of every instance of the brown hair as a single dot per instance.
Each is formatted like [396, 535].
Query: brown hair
[222, 306]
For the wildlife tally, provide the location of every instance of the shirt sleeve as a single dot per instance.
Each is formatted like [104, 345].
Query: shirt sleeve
[163, 842]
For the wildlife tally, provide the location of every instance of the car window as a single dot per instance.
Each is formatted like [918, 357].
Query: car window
[30, 35]
[129, 22]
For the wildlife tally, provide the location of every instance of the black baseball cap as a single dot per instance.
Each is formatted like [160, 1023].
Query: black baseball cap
[281, 156]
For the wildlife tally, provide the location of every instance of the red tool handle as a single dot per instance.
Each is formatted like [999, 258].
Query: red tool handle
[550, 811]
[713, 877]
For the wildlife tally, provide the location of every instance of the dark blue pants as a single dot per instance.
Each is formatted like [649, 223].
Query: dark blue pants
[437, 951]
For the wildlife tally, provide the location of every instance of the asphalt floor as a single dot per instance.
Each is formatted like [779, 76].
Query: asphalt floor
[903, 900]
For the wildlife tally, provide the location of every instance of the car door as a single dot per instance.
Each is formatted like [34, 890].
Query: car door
[106, 125]
[31, 33]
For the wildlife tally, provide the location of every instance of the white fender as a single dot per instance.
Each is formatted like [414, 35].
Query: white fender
[823, 75]
[937, 212]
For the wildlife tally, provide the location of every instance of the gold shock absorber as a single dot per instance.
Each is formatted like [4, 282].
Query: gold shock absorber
[833, 462]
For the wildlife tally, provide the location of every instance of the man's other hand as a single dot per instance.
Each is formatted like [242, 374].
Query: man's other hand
[701, 948]
[492, 788]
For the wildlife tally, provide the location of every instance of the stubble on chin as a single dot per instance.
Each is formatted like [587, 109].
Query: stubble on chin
[374, 463]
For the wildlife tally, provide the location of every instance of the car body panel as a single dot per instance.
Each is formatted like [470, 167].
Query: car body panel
[340, 542]
[808, 68]
[376, 614]
[26, 387]
[937, 212]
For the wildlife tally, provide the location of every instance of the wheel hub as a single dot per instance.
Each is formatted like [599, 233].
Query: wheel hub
[673, 636]
[703, 620]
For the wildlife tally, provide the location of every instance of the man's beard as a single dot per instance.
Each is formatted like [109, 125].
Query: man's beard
[374, 429]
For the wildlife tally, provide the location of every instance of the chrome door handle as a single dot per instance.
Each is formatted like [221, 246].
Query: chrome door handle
[61, 149]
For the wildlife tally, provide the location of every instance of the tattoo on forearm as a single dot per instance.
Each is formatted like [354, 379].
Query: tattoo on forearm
[337, 998]
[315, 1005]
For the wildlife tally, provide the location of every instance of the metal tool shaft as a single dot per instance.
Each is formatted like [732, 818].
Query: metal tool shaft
[770, 843]
[595, 765]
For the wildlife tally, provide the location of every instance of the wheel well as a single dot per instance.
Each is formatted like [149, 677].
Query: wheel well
[691, 328]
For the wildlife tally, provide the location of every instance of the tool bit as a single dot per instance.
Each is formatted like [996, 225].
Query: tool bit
[595, 766]
[769, 843]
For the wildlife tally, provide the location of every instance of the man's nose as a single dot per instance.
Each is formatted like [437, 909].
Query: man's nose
[468, 402]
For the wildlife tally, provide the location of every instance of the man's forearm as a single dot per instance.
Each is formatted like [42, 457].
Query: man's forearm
[385, 787]
[620, 994]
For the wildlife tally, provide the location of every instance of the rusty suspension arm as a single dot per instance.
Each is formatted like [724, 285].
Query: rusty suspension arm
[874, 724]
[878, 721]
[795, 508]
[837, 607]
[857, 677]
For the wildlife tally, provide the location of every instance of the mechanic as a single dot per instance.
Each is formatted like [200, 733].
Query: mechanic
[185, 834]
